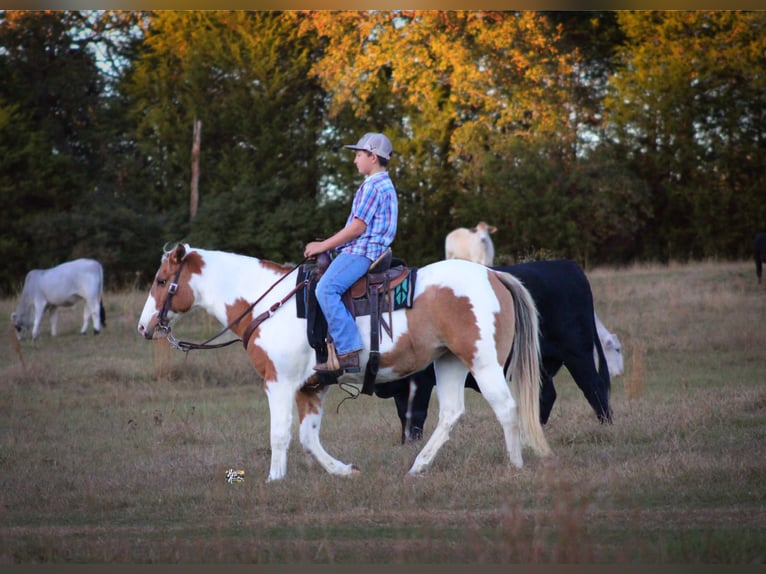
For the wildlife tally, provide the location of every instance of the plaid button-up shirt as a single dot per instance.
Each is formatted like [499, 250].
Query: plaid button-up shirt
[376, 204]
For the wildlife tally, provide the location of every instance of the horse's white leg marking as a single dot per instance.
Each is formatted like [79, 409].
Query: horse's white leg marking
[311, 423]
[450, 390]
[495, 390]
[280, 396]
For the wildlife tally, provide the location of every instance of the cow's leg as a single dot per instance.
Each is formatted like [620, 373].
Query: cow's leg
[399, 390]
[310, 411]
[450, 389]
[39, 312]
[280, 396]
[87, 313]
[413, 408]
[54, 317]
[403, 402]
[591, 384]
[95, 308]
[411, 397]
[547, 390]
[412, 405]
[547, 398]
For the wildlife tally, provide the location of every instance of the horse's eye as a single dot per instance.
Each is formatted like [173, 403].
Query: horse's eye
[161, 282]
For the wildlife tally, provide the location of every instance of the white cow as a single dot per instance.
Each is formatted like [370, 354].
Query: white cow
[612, 348]
[472, 244]
[61, 286]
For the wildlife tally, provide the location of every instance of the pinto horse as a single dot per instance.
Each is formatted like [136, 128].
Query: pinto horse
[464, 318]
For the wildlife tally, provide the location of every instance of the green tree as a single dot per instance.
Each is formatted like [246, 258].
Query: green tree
[244, 76]
[450, 89]
[49, 94]
[601, 136]
[688, 105]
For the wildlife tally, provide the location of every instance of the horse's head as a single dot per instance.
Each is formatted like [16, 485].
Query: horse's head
[170, 295]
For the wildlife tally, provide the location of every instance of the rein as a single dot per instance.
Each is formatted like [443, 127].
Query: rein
[187, 346]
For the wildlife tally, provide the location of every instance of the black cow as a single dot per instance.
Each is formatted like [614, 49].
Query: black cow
[568, 337]
[759, 253]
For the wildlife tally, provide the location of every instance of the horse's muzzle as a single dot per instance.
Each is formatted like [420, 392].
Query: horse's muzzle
[154, 331]
[147, 332]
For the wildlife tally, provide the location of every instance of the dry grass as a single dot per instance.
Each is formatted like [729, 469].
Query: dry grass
[113, 450]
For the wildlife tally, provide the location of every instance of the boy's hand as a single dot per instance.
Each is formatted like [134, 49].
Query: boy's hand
[313, 249]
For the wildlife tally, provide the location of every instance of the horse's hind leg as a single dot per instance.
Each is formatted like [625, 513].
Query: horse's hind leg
[450, 390]
[495, 390]
[310, 411]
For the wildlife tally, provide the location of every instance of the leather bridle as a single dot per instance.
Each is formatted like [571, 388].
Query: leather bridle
[162, 318]
[163, 323]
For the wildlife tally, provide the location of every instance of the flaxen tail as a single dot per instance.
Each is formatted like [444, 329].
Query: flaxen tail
[524, 370]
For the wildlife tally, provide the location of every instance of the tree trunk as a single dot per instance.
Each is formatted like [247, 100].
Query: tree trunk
[194, 200]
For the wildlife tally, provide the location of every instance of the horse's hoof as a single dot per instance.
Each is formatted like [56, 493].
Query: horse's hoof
[355, 470]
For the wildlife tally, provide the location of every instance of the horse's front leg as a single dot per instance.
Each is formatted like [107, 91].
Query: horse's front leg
[280, 396]
[309, 401]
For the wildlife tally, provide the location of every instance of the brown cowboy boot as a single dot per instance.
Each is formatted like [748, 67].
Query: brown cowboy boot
[348, 363]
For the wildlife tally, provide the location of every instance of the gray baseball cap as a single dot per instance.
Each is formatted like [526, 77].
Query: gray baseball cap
[375, 143]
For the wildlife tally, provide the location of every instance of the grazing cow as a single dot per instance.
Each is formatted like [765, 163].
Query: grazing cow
[612, 349]
[473, 244]
[61, 286]
[759, 253]
[568, 336]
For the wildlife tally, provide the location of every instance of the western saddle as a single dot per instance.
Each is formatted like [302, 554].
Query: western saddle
[371, 295]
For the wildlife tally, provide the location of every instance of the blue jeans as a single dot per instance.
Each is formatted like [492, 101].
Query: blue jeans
[342, 273]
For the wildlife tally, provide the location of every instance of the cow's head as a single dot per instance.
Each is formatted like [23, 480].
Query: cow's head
[484, 229]
[21, 322]
[16, 324]
[613, 354]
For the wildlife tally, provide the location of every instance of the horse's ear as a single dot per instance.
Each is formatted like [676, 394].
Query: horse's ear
[492, 228]
[179, 252]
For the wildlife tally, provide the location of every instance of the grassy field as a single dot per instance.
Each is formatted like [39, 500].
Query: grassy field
[114, 449]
